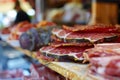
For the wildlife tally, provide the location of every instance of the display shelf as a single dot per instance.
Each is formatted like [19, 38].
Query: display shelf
[72, 71]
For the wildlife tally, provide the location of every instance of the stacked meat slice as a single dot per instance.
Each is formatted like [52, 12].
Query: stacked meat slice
[65, 52]
[93, 33]
[102, 50]
[104, 61]
[107, 68]
[69, 43]
[76, 43]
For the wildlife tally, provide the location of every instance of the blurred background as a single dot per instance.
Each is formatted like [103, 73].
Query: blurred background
[67, 12]
[63, 11]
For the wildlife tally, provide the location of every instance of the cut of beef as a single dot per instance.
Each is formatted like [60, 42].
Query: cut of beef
[64, 53]
[78, 37]
[94, 28]
[108, 67]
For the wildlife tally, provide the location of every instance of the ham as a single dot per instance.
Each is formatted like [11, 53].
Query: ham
[83, 44]
[108, 67]
[68, 36]
[67, 52]
[102, 50]
[108, 45]
[93, 28]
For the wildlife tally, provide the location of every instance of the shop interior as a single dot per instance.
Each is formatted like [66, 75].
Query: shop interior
[19, 64]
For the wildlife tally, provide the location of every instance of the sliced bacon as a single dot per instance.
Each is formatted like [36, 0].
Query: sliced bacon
[93, 28]
[68, 36]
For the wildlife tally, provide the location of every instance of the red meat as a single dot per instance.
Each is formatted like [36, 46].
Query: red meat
[71, 51]
[68, 36]
[94, 28]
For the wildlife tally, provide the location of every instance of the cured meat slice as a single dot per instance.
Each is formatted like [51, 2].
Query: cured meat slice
[20, 28]
[102, 50]
[46, 58]
[93, 28]
[64, 52]
[108, 45]
[6, 30]
[103, 61]
[68, 36]
[83, 44]
[95, 52]
[108, 67]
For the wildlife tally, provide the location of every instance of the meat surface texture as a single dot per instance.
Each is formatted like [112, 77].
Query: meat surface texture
[93, 28]
[68, 36]
[76, 52]
[107, 67]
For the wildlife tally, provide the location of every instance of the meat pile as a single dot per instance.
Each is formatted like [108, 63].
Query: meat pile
[104, 61]
[93, 33]
[72, 43]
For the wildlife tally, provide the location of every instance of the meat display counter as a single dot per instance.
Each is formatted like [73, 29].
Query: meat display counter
[72, 71]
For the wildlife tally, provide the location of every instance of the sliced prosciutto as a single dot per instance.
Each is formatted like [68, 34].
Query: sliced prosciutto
[68, 36]
[83, 44]
[67, 52]
[94, 28]
[102, 50]
[98, 52]
[107, 67]
[108, 45]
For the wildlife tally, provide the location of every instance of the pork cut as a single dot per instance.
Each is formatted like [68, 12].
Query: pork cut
[98, 28]
[102, 50]
[68, 36]
[108, 67]
[64, 53]
[83, 44]
[108, 45]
